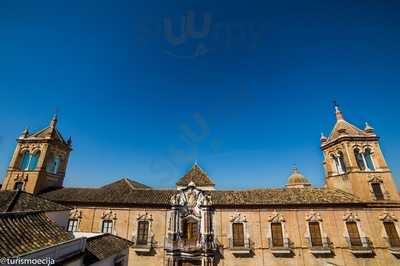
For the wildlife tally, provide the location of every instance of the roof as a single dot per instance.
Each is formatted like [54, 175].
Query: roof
[50, 132]
[21, 233]
[344, 128]
[296, 178]
[103, 246]
[19, 201]
[126, 182]
[122, 195]
[197, 176]
[154, 197]
[283, 196]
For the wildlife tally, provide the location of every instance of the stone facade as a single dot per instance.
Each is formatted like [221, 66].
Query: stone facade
[353, 220]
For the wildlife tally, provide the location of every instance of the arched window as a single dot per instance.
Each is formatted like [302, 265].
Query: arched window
[238, 234]
[24, 164]
[339, 163]
[359, 159]
[368, 159]
[34, 160]
[342, 163]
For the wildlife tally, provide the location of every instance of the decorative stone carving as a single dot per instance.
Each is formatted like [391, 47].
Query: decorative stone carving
[109, 215]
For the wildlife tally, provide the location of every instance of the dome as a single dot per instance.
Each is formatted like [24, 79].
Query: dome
[297, 180]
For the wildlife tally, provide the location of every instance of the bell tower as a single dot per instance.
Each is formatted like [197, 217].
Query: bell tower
[39, 161]
[354, 162]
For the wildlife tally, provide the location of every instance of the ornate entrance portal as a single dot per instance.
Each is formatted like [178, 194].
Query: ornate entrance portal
[190, 239]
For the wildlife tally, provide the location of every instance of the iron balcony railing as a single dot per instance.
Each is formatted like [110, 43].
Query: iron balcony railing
[244, 244]
[143, 245]
[359, 245]
[322, 246]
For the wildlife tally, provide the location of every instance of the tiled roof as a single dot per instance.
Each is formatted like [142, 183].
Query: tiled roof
[46, 133]
[124, 195]
[25, 232]
[103, 246]
[126, 182]
[294, 196]
[197, 176]
[19, 201]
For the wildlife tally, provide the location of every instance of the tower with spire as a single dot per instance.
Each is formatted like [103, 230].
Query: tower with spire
[39, 161]
[353, 162]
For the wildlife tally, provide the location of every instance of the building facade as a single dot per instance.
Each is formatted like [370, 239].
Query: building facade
[352, 220]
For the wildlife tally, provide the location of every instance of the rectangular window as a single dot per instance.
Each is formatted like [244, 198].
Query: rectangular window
[376, 188]
[107, 226]
[315, 234]
[190, 230]
[277, 234]
[142, 233]
[72, 225]
[354, 235]
[392, 234]
[238, 235]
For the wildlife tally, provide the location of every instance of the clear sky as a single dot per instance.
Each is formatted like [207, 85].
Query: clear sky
[145, 88]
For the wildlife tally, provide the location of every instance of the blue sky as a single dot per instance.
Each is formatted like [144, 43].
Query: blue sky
[245, 91]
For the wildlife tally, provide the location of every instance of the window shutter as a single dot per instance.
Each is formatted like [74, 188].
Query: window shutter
[238, 235]
[143, 232]
[354, 235]
[277, 234]
[392, 234]
[315, 234]
[376, 188]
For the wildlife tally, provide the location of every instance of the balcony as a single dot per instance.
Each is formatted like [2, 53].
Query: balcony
[361, 246]
[280, 250]
[323, 249]
[241, 248]
[141, 246]
[183, 245]
[393, 246]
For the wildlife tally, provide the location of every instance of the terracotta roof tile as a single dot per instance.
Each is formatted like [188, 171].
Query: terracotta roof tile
[197, 176]
[19, 201]
[21, 233]
[103, 246]
[150, 197]
[123, 182]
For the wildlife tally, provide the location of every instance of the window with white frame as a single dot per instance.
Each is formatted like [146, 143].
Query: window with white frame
[29, 161]
[107, 226]
[339, 162]
[364, 159]
[72, 225]
[108, 222]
